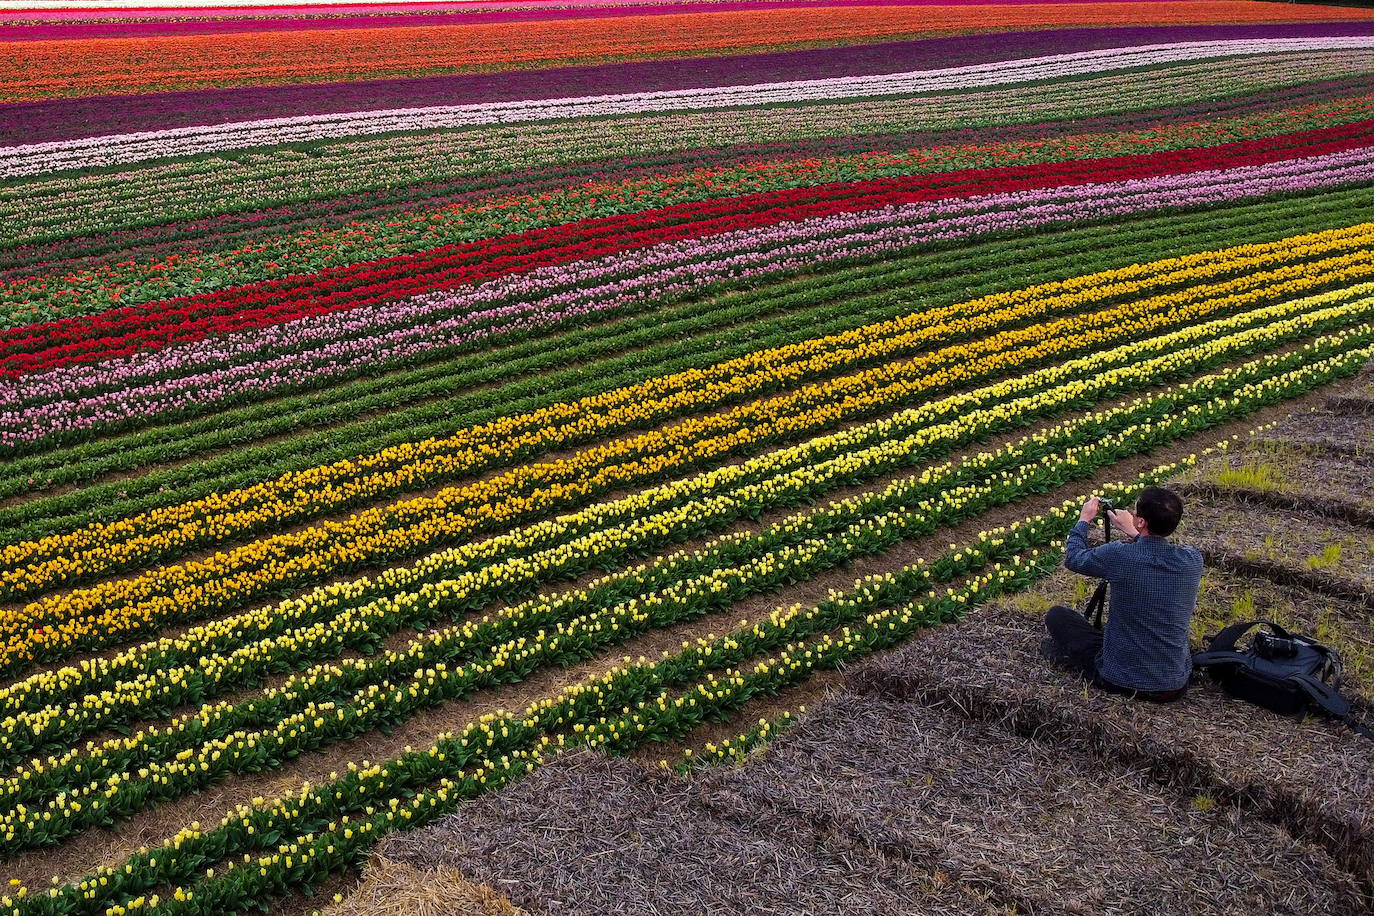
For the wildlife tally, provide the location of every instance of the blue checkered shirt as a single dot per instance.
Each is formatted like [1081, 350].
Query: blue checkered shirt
[1154, 585]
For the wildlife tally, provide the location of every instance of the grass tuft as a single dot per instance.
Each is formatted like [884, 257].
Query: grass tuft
[1252, 475]
[1329, 557]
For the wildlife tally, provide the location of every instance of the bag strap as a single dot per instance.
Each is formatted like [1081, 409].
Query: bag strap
[1219, 657]
[1332, 703]
[1322, 696]
[1093, 612]
[1227, 638]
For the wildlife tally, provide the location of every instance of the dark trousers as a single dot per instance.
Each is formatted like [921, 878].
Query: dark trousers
[1073, 643]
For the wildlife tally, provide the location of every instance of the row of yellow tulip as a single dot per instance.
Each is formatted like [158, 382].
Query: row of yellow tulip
[29, 567]
[116, 789]
[237, 576]
[1028, 463]
[796, 473]
[116, 689]
[737, 749]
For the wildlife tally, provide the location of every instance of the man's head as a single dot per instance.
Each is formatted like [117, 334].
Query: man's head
[1160, 510]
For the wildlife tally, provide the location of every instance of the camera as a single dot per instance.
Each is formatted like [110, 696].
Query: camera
[1105, 505]
[1269, 646]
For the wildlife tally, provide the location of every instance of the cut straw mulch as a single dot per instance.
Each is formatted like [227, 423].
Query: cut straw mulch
[1242, 526]
[396, 889]
[1305, 500]
[1315, 552]
[1045, 827]
[1306, 472]
[1357, 397]
[1326, 432]
[588, 834]
[1314, 778]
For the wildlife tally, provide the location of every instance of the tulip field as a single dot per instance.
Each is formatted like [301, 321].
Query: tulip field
[395, 394]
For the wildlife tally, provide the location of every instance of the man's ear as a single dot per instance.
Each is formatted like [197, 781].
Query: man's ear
[1141, 526]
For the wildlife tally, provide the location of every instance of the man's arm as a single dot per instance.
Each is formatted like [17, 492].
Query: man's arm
[1089, 561]
[1078, 556]
[1124, 522]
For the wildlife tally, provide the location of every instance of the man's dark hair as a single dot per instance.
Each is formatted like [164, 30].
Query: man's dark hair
[1162, 510]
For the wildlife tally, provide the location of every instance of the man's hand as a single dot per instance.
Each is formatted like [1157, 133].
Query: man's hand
[1089, 509]
[1124, 521]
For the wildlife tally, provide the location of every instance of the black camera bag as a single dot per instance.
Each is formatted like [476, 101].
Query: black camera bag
[1288, 673]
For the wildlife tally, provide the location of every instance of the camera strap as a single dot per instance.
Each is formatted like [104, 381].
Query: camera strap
[1098, 602]
[1093, 612]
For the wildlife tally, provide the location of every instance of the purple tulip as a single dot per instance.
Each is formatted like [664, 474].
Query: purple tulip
[36, 122]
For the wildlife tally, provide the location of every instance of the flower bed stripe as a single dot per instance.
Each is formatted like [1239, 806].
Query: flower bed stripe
[68, 119]
[364, 180]
[807, 308]
[123, 331]
[98, 289]
[117, 149]
[53, 220]
[42, 69]
[416, 15]
[70, 400]
[422, 15]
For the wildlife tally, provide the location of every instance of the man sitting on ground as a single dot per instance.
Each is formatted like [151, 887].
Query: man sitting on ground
[1142, 650]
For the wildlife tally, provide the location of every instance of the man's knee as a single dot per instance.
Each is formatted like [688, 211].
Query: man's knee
[1058, 618]
[1059, 612]
[1073, 642]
